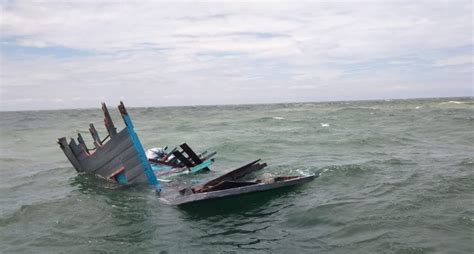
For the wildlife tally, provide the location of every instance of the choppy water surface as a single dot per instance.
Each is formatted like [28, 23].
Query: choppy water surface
[396, 177]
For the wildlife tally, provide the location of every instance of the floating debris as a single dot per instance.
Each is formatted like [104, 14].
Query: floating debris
[120, 158]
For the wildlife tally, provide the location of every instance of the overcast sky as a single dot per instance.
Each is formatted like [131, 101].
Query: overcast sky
[57, 54]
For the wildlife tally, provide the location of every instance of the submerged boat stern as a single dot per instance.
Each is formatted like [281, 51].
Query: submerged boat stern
[233, 184]
[119, 157]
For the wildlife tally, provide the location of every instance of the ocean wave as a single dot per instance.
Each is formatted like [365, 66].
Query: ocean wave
[467, 162]
[264, 119]
[319, 214]
[357, 110]
[358, 233]
[467, 220]
[375, 140]
[90, 184]
[467, 118]
[452, 102]
[455, 104]
[15, 159]
[394, 161]
[348, 170]
[385, 188]
[28, 212]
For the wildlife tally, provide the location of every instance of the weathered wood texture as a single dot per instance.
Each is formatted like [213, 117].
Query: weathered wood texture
[244, 189]
[231, 176]
[109, 157]
[192, 155]
[109, 125]
[183, 159]
[95, 135]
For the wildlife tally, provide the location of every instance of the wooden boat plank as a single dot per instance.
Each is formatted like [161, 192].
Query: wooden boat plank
[197, 197]
[94, 165]
[70, 154]
[183, 159]
[108, 168]
[95, 135]
[231, 175]
[106, 153]
[82, 144]
[109, 124]
[192, 155]
[134, 172]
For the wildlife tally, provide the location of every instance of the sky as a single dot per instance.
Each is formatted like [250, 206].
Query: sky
[76, 54]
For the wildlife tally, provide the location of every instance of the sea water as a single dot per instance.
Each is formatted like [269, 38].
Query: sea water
[396, 176]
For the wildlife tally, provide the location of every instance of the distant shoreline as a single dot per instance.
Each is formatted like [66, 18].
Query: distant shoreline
[250, 104]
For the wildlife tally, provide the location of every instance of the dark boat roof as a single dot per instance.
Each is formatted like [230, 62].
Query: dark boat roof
[232, 184]
[256, 187]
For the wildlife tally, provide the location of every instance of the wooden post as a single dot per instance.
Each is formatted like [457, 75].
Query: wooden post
[95, 135]
[148, 171]
[109, 124]
[82, 143]
[69, 154]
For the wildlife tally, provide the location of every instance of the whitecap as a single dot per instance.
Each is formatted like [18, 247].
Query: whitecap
[304, 173]
[278, 118]
[452, 102]
[324, 125]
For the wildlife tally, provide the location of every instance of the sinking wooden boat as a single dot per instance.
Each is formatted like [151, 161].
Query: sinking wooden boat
[234, 183]
[120, 157]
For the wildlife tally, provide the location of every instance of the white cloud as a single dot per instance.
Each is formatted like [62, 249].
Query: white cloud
[150, 50]
[456, 60]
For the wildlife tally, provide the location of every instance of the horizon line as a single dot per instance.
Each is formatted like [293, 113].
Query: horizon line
[249, 104]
